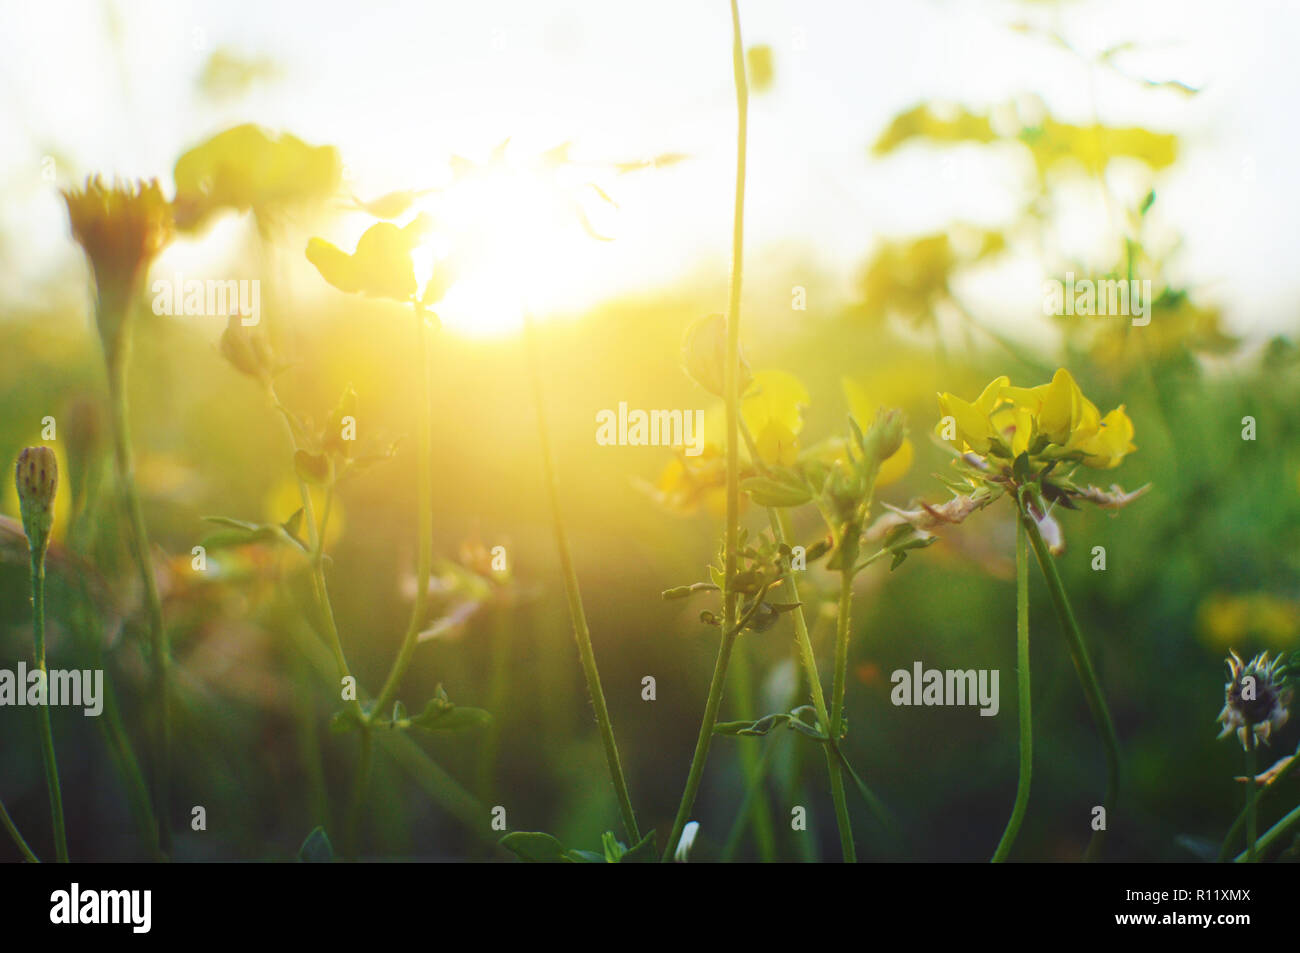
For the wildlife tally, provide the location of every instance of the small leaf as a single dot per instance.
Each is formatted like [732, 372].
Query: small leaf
[344, 721]
[316, 849]
[645, 852]
[534, 847]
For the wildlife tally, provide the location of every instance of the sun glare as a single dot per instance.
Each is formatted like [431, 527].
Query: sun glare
[512, 238]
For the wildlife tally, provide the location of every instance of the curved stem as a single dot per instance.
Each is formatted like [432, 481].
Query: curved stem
[7, 822]
[731, 381]
[47, 734]
[1023, 696]
[138, 538]
[1087, 678]
[581, 632]
[424, 558]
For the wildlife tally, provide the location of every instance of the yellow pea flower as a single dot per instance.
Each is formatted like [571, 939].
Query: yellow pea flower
[1107, 448]
[381, 265]
[974, 420]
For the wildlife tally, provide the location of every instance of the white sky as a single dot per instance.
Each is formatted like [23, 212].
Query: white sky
[400, 86]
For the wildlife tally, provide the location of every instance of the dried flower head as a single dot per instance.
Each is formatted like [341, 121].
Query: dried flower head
[1257, 698]
[122, 228]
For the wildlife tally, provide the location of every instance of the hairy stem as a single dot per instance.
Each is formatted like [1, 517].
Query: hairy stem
[1024, 710]
[581, 631]
[47, 733]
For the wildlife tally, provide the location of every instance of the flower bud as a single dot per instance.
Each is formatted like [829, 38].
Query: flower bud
[246, 349]
[37, 478]
[704, 356]
[885, 437]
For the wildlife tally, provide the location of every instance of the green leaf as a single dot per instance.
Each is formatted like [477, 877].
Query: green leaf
[645, 852]
[344, 721]
[534, 847]
[316, 849]
[441, 715]
[768, 492]
[613, 847]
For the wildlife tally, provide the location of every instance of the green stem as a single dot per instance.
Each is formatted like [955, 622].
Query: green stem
[1225, 851]
[361, 785]
[838, 686]
[138, 538]
[8, 824]
[424, 558]
[581, 631]
[750, 759]
[1251, 797]
[781, 532]
[498, 697]
[1023, 696]
[316, 559]
[754, 782]
[1271, 836]
[731, 394]
[1087, 678]
[47, 733]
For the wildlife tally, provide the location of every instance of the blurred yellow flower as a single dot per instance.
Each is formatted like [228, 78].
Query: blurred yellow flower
[246, 168]
[773, 412]
[1226, 619]
[381, 265]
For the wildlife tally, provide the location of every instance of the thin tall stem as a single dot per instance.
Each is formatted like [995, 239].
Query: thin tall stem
[838, 686]
[731, 393]
[424, 558]
[1023, 696]
[1087, 678]
[47, 733]
[1252, 796]
[781, 531]
[1225, 851]
[360, 787]
[138, 537]
[581, 631]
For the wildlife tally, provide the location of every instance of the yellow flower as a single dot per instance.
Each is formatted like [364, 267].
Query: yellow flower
[121, 228]
[381, 265]
[246, 168]
[1052, 421]
[773, 412]
[974, 421]
[1107, 448]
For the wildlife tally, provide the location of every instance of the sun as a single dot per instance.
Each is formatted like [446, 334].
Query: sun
[516, 238]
